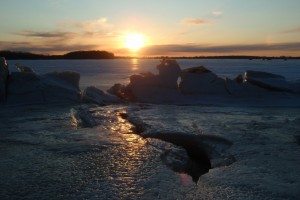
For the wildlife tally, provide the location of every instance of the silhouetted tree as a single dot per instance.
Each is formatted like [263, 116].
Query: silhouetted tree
[88, 55]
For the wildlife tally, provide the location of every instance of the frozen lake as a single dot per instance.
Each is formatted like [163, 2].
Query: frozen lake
[44, 156]
[105, 73]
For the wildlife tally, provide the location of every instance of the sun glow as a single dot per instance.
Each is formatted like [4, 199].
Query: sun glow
[134, 41]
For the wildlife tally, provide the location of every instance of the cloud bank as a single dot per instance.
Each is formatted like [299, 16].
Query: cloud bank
[50, 34]
[168, 50]
[293, 30]
[46, 49]
[219, 49]
[98, 33]
[68, 36]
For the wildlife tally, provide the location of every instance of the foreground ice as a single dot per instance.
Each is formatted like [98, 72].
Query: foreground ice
[43, 155]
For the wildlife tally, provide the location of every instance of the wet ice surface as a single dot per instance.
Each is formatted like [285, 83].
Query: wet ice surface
[43, 156]
[264, 145]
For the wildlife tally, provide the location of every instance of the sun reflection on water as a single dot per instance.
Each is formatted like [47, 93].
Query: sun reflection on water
[135, 64]
[134, 142]
[135, 155]
[126, 130]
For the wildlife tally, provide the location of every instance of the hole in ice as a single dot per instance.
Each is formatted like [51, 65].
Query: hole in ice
[297, 137]
[194, 160]
[179, 160]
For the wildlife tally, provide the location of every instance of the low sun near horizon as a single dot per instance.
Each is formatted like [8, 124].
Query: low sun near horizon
[134, 41]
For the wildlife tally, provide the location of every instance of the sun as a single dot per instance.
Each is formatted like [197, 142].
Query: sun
[134, 41]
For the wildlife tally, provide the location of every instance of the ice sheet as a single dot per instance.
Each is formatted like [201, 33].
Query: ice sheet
[43, 154]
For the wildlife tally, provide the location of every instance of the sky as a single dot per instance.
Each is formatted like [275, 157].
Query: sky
[167, 27]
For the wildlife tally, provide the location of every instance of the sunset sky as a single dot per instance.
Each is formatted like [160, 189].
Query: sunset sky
[166, 27]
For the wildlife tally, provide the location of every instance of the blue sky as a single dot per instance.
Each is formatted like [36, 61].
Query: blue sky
[169, 27]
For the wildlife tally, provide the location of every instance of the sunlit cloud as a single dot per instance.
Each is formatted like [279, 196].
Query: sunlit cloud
[67, 36]
[97, 24]
[195, 21]
[98, 27]
[98, 34]
[217, 13]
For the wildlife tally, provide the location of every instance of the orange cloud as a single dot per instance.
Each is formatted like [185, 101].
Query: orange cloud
[195, 21]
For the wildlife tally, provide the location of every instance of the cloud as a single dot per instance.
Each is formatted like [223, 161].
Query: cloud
[44, 39]
[5, 45]
[294, 30]
[98, 28]
[41, 48]
[68, 36]
[216, 13]
[72, 29]
[195, 21]
[218, 49]
[154, 50]
[97, 22]
[47, 34]
[91, 25]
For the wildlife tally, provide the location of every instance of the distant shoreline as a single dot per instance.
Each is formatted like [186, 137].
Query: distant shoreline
[97, 55]
[212, 57]
[14, 55]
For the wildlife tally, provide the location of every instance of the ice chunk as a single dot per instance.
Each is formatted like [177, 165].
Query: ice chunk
[147, 87]
[245, 89]
[200, 85]
[94, 95]
[199, 80]
[266, 80]
[122, 92]
[24, 69]
[295, 86]
[71, 77]
[82, 118]
[29, 88]
[169, 71]
[3, 78]
[61, 86]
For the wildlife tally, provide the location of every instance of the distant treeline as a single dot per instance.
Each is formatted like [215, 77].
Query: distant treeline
[13, 55]
[241, 57]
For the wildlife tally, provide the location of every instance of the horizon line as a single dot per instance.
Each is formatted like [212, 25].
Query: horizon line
[157, 56]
